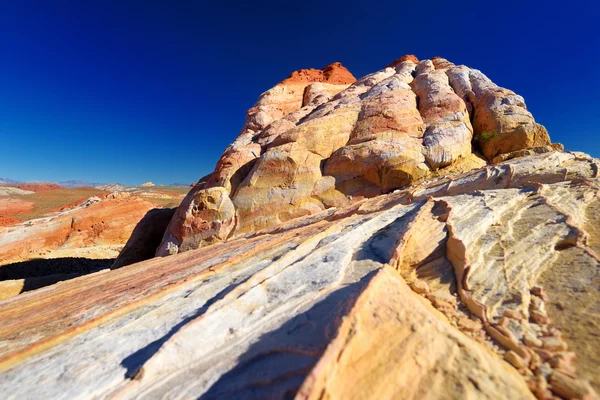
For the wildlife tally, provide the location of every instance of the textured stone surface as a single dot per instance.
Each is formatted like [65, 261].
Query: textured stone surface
[13, 191]
[385, 150]
[320, 139]
[94, 223]
[457, 287]
[274, 117]
[448, 131]
[384, 351]
[8, 220]
[501, 121]
[36, 187]
[145, 237]
[10, 205]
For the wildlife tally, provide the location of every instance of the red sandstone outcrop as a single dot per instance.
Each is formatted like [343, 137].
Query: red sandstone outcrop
[6, 220]
[11, 206]
[37, 187]
[320, 139]
[77, 203]
[95, 222]
[335, 74]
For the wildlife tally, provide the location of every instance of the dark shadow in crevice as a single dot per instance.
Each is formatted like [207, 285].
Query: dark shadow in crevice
[40, 272]
[357, 186]
[41, 267]
[135, 361]
[145, 237]
[240, 175]
[381, 246]
[279, 362]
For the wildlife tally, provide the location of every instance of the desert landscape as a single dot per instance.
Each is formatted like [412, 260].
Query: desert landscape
[413, 233]
[324, 200]
[49, 233]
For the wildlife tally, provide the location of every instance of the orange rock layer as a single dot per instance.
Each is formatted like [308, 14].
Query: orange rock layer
[335, 74]
[95, 222]
[37, 187]
[6, 220]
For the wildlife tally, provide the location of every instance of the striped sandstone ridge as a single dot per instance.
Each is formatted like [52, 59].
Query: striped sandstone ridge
[95, 222]
[476, 285]
[322, 139]
[61, 246]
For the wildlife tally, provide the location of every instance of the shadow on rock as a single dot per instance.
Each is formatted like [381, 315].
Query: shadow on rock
[145, 238]
[279, 362]
[134, 362]
[24, 276]
[41, 267]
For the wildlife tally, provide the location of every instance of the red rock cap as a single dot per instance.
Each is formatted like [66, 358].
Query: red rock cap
[407, 57]
[334, 73]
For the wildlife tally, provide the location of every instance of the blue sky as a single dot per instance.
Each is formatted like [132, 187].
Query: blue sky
[128, 91]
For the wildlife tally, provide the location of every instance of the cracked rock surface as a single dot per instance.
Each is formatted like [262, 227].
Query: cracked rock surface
[480, 284]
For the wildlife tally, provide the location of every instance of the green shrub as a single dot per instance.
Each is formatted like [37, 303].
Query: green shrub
[487, 135]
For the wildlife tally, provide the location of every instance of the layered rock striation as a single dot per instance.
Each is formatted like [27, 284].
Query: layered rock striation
[475, 285]
[322, 139]
[94, 222]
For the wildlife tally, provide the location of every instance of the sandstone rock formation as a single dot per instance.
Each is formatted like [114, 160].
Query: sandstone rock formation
[19, 205]
[482, 284]
[145, 238]
[96, 222]
[56, 234]
[80, 238]
[36, 187]
[277, 111]
[411, 234]
[14, 205]
[8, 220]
[13, 191]
[322, 139]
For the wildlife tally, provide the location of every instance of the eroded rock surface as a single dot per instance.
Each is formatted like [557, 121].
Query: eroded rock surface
[322, 139]
[456, 287]
[95, 222]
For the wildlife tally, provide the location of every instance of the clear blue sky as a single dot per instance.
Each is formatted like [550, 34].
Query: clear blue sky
[127, 91]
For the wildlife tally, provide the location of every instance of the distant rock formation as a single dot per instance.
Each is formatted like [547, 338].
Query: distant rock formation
[116, 187]
[147, 184]
[94, 222]
[37, 187]
[79, 183]
[321, 139]
[65, 184]
[8, 181]
[178, 184]
[6, 191]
